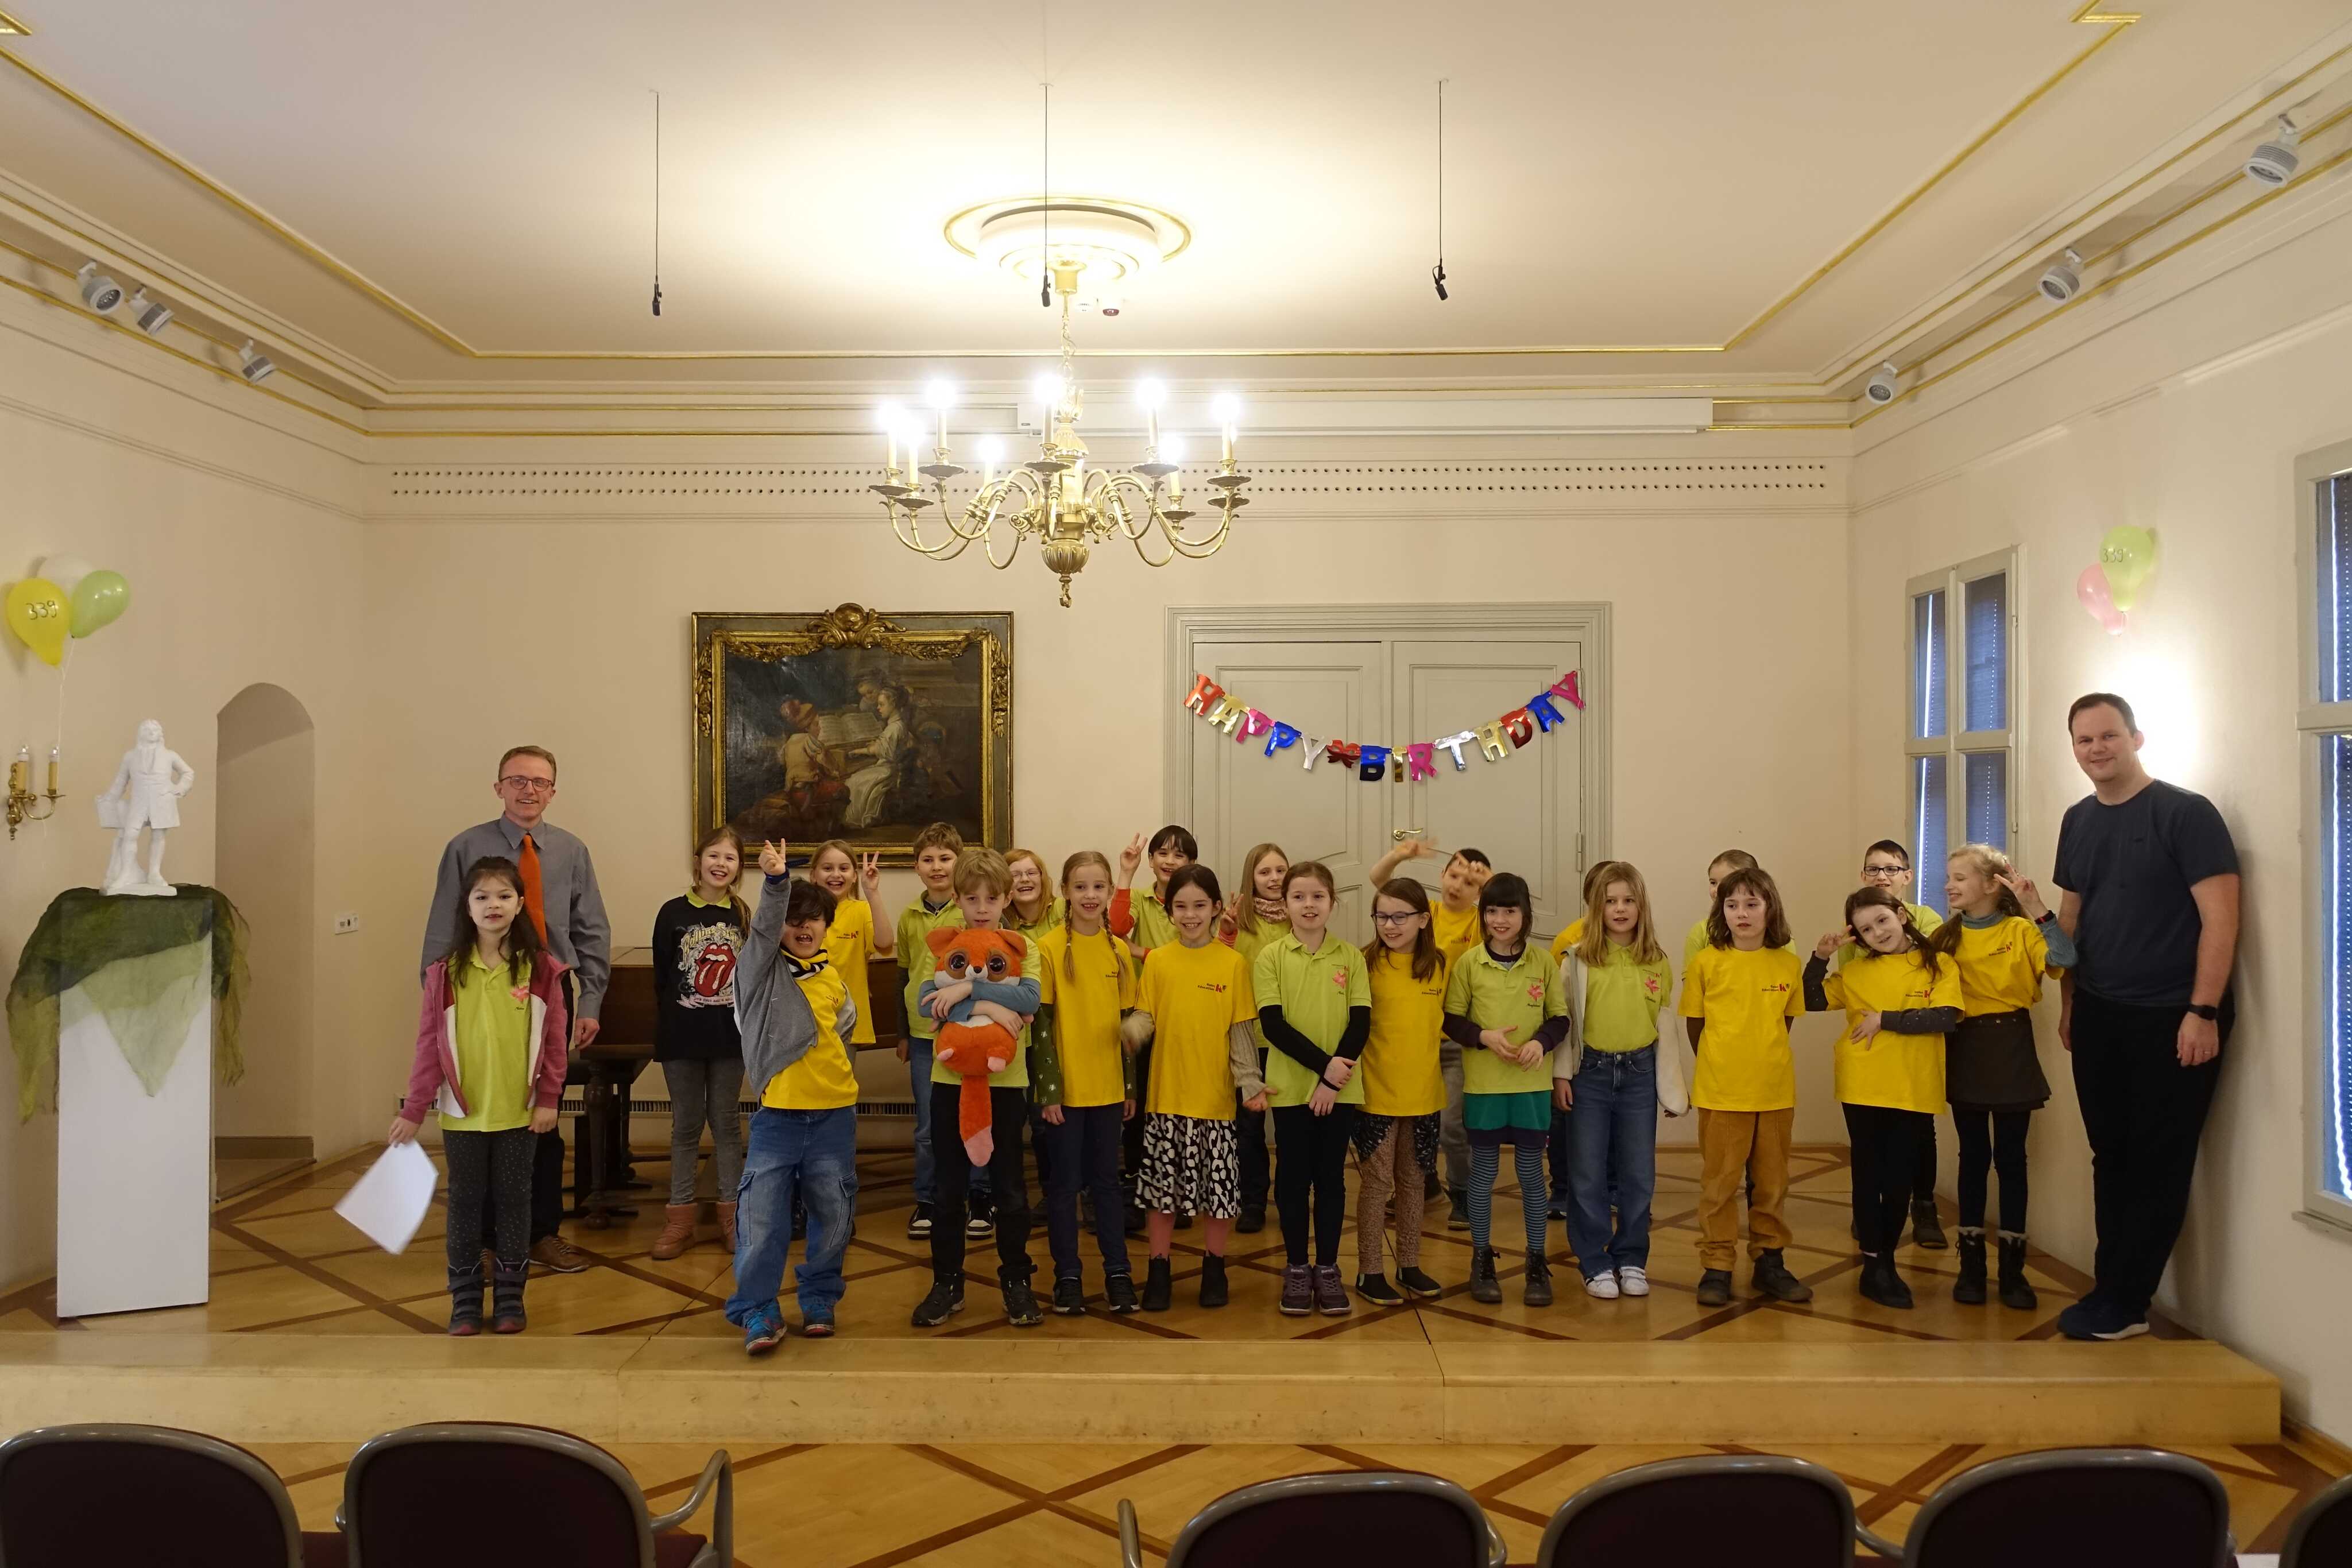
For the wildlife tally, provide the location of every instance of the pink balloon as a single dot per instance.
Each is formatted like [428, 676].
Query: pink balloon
[2090, 588]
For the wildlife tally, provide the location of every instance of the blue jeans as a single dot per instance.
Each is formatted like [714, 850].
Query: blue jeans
[927, 1170]
[814, 1152]
[1613, 1150]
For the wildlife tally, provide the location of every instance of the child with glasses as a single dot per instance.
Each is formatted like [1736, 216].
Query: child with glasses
[1887, 865]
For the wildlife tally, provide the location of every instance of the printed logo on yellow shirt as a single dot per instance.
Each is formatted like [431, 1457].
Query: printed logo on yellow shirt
[1212, 986]
[1779, 989]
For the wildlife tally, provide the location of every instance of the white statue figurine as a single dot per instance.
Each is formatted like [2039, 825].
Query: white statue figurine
[145, 794]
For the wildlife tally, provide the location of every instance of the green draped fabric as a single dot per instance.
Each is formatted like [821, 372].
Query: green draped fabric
[137, 960]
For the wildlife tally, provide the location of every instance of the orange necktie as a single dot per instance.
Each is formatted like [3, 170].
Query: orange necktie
[533, 904]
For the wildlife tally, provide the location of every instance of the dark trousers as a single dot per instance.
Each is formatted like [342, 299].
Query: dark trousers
[1008, 1118]
[2144, 1113]
[1249, 1132]
[1886, 1158]
[1558, 1156]
[1311, 1170]
[489, 1174]
[1923, 1181]
[1083, 1151]
[1130, 1142]
[1992, 1140]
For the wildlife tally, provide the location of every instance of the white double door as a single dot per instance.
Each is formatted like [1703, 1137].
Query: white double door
[1526, 812]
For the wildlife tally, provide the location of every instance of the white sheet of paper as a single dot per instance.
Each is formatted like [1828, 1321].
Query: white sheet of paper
[388, 1203]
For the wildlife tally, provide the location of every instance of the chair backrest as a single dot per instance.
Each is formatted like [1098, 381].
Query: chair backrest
[1364, 1518]
[1759, 1510]
[74, 1496]
[2073, 1506]
[506, 1493]
[2321, 1535]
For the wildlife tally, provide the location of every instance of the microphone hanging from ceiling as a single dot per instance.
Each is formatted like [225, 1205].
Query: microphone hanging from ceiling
[1045, 207]
[656, 92]
[1437, 273]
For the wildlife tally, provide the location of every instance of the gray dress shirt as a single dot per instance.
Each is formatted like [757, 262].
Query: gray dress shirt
[577, 931]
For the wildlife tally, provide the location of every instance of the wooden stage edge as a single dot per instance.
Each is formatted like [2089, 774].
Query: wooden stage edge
[260, 1388]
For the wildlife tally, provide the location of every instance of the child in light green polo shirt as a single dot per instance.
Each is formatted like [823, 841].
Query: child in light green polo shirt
[1315, 1007]
[1505, 1008]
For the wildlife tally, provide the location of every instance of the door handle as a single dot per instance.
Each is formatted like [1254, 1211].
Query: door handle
[1399, 835]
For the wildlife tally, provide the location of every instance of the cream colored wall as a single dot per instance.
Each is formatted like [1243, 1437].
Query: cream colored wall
[240, 534]
[2187, 418]
[1728, 710]
[265, 809]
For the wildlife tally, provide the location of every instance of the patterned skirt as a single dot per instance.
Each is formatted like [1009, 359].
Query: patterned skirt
[1191, 1165]
[1367, 1131]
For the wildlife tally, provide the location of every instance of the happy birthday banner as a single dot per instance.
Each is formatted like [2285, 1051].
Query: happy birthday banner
[1405, 764]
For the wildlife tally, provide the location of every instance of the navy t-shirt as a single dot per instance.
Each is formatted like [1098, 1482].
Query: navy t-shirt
[2132, 865]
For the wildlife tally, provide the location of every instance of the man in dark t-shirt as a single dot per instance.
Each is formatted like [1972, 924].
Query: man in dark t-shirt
[2151, 883]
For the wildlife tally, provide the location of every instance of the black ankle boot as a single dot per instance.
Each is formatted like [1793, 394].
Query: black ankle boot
[465, 1301]
[1484, 1286]
[1882, 1284]
[1927, 1229]
[1157, 1286]
[1968, 1290]
[1213, 1290]
[2014, 1291]
[1771, 1278]
[506, 1296]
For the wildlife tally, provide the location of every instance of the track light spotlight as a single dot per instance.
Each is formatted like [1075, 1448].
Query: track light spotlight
[2273, 163]
[254, 366]
[153, 315]
[1880, 387]
[100, 292]
[2064, 278]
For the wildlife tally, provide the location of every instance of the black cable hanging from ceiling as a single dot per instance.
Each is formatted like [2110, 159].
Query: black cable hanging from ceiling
[1437, 273]
[656, 202]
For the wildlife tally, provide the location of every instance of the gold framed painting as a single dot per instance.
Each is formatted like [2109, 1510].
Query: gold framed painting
[854, 724]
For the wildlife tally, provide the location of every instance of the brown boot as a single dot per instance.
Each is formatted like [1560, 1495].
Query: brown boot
[726, 1226]
[677, 1231]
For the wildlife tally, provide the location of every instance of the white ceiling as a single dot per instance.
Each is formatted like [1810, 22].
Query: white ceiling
[1617, 176]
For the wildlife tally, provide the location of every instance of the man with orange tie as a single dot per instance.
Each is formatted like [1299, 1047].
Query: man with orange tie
[560, 892]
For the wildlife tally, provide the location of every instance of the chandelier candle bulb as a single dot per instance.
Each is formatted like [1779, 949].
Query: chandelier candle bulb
[53, 770]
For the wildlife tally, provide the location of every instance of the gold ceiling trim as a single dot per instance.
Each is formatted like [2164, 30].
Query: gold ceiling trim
[2093, 291]
[2042, 242]
[2117, 22]
[10, 27]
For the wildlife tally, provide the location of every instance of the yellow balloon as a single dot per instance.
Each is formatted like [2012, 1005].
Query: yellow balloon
[37, 614]
[2128, 552]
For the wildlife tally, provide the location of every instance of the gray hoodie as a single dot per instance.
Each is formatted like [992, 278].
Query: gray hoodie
[770, 1009]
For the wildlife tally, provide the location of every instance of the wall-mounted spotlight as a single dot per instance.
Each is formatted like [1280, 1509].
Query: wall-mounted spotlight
[153, 315]
[2273, 163]
[2064, 278]
[1880, 387]
[100, 292]
[254, 366]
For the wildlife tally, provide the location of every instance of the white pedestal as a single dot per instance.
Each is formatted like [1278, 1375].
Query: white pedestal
[134, 1171]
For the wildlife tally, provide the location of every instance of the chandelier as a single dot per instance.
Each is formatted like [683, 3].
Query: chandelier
[1056, 499]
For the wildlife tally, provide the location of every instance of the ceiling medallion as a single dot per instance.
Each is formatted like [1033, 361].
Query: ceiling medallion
[1115, 245]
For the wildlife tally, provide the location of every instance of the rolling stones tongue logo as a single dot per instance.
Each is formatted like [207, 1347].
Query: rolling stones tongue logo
[708, 956]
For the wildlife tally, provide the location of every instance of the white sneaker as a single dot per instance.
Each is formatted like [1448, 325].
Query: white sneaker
[1633, 1282]
[1603, 1287]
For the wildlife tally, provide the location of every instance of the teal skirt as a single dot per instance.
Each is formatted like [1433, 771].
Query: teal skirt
[1492, 1120]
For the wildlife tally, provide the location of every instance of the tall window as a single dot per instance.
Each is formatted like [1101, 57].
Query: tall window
[1961, 744]
[2324, 716]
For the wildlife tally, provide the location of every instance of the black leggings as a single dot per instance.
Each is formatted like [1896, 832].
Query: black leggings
[1886, 1158]
[1992, 1140]
[1311, 1156]
[489, 1173]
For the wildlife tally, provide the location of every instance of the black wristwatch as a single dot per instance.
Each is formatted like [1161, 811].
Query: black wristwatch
[2047, 917]
[2210, 1014]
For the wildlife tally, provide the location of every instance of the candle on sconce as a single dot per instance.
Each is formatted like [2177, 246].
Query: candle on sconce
[20, 772]
[53, 770]
[1149, 394]
[942, 397]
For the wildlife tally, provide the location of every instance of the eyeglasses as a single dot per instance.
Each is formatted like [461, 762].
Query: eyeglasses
[517, 784]
[1383, 919]
[1885, 870]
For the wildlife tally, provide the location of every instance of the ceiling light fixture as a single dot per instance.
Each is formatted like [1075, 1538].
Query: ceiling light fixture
[100, 292]
[253, 365]
[1055, 498]
[1880, 387]
[153, 315]
[2064, 278]
[2273, 163]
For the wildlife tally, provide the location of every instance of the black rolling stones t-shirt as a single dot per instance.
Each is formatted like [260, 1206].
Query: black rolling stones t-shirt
[695, 949]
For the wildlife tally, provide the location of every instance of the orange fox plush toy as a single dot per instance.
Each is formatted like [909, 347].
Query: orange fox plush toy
[974, 1044]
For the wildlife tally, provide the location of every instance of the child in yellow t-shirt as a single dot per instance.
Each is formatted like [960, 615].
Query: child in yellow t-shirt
[1396, 1131]
[1195, 1005]
[1083, 1082]
[1618, 979]
[1453, 923]
[1900, 999]
[1504, 1008]
[2003, 939]
[1254, 916]
[1739, 995]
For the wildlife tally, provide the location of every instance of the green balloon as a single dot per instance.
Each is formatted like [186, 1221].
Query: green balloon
[99, 600]
[2128, 552]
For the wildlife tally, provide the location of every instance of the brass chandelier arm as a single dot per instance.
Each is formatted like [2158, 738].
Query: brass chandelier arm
[909, 531]
[1112, 502]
